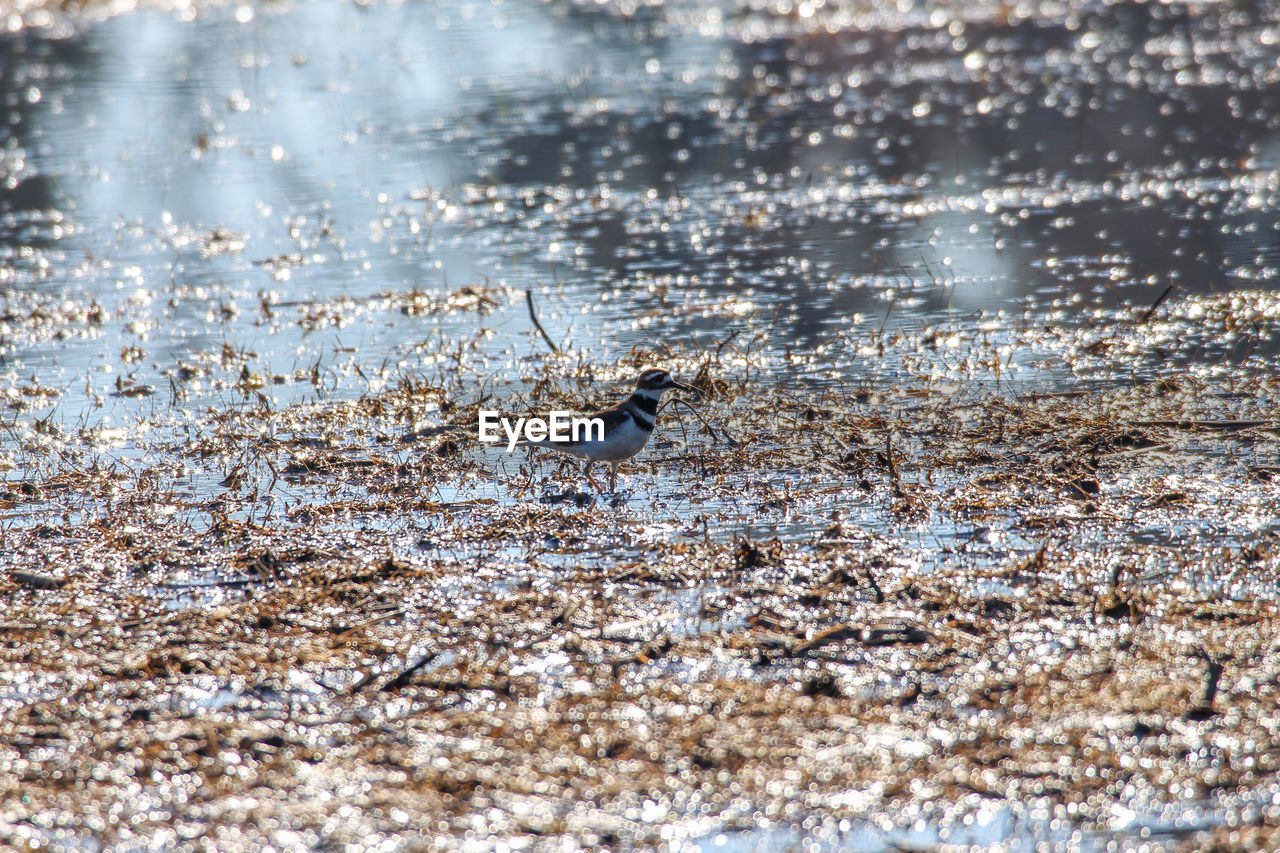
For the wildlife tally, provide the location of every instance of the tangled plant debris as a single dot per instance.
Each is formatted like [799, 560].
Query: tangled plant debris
[340, 621]
[969, 542]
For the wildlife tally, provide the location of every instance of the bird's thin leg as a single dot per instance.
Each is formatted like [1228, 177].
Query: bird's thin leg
[590, 479]
[613, 478]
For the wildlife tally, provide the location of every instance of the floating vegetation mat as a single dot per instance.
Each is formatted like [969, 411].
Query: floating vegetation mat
[853, 616]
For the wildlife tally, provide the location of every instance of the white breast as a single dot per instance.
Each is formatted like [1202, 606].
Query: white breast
[624, 442]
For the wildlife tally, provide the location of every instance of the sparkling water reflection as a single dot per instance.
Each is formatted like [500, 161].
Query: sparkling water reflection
[231, 209]
[659, 176]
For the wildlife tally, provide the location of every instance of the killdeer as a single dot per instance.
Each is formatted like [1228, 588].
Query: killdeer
[627, 427]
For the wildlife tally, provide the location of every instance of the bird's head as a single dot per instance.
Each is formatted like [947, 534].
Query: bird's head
[656, 381]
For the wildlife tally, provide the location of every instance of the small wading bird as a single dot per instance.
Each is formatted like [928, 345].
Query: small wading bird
[627, 427]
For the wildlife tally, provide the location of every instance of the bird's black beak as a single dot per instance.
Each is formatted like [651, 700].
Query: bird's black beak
[683, 387]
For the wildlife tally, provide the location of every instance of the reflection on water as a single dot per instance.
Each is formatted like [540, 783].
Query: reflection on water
[949, 162]
[258, 206]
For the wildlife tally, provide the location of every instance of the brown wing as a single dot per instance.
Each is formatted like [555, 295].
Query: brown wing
[612, 417]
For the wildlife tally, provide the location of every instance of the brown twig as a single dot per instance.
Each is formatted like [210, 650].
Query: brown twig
[894, 477]
[533, 315]
[733, 442]
[401, 678]
[1146, 315]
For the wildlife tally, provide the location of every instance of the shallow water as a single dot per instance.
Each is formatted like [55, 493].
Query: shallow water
[217, 207]
[241, 208]
[239, 187]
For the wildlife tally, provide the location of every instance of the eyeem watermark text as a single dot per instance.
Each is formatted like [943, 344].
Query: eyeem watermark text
[557, 427]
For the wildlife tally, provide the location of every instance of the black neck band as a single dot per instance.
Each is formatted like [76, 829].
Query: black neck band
[645, 403]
